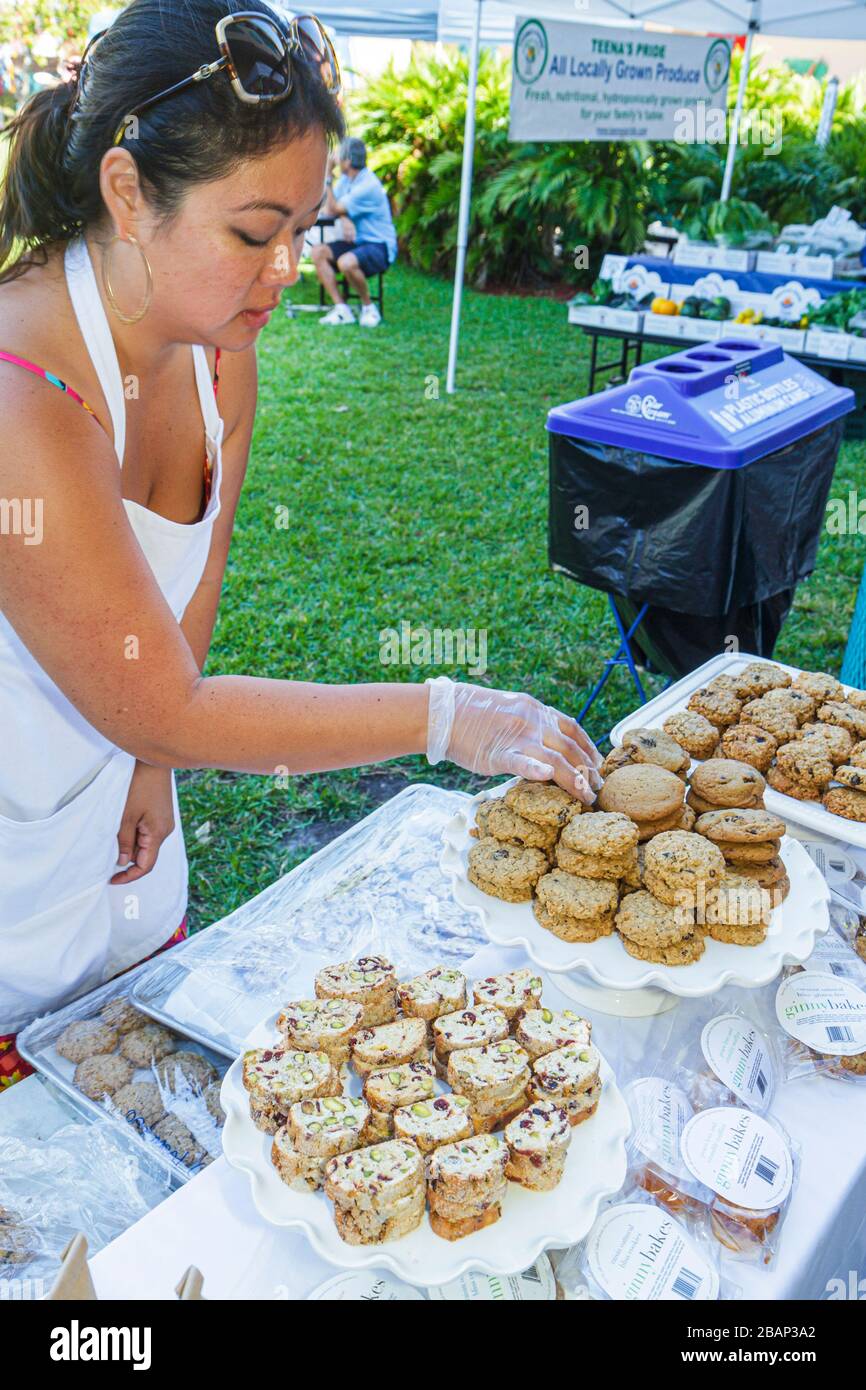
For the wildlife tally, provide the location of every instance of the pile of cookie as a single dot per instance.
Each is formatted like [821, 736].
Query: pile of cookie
[512, 1065]
[139, 1070]
[807, 734]
[663, 862]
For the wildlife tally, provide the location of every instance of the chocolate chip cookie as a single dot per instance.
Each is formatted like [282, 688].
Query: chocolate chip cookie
[742, 826]
[727, 782]
[692, 731]
[506, 871]
[656, 747]
[747, 743]
[767, 875]
[720, 707]
[760, 853]
[642, 792]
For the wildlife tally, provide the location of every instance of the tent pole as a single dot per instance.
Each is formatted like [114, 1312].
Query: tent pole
[465, 195]
[738, 111]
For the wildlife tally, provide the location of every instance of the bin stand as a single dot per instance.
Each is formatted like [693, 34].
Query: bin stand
[623, 657]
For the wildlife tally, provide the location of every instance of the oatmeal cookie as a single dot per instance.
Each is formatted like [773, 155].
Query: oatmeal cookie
[86, 1037]
[855, 754]
[121, 1015]
[506, 871]
[838, 742]
[700, 806]
[586, 899]
[683, 952]
[774, 718]
[573, 928]
[692, 731]
[806, 765]
[648, 922]
[847, 802]
[819, 685]
[191, 1066]
[146, 1045]
[843, 714]
[600, 834]
[720, 707]
[851, 776]
[760, 853]
[857, 698]
[496, 819]
[657, 747]
[737, 902]
[758, 677]
[544, 802]
[748, 743]
[766, 875]
[682, 859]
[617, 757]
[102, 1075]
[595, 865]
[738, 935]
[175, 1135]
[140, 1103]
[796, 702]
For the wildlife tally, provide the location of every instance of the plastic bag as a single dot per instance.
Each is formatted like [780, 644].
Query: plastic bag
[85, 1177]
[821, 1012]
[638, 1251]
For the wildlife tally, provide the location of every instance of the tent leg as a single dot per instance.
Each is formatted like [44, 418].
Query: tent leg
[465, 196]
[738, 111]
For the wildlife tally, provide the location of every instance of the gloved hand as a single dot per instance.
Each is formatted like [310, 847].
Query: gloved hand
[503, 731]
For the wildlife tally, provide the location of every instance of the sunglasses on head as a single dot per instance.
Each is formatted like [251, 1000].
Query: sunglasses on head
[256, 53]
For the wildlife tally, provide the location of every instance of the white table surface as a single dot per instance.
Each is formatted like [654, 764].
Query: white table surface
[212, 1223]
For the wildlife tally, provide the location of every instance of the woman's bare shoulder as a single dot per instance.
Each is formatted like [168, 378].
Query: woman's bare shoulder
[37, 322]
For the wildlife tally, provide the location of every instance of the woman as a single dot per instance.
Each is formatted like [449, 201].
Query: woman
[152, 214]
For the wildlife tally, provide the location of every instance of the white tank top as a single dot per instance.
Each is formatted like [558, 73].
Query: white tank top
[63, 785]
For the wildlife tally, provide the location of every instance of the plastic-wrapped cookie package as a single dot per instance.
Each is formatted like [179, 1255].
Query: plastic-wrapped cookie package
[639, 1251]
[115, 1060]
[821, 1013]
[703, 1145]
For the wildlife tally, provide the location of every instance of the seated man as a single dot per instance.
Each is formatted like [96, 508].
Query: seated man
[361, 203]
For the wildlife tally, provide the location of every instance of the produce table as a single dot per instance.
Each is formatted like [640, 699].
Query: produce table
[756, 281]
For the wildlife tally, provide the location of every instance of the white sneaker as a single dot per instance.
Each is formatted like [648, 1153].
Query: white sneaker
[341, 313]
[370, 316]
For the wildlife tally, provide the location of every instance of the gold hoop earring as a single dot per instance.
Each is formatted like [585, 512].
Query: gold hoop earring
[106, 280]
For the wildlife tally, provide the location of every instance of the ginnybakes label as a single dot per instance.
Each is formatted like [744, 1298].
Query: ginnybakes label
[739, 1155]
[639, 1253]
[736, 1050]
[827, 1012]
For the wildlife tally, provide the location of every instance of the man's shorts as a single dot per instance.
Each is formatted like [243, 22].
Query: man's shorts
[372, 255]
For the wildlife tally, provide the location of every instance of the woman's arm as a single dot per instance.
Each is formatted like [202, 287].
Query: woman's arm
[87, 606]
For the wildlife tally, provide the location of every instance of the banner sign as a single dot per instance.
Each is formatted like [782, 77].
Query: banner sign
[595, 82]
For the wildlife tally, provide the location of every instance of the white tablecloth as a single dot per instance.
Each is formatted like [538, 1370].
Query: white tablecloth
[212, 1223]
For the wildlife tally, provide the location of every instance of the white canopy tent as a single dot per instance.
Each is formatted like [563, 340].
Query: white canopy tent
[479, 20]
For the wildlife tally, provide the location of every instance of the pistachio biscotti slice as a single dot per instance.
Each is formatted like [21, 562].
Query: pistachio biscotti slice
[278, 1077]
[466, 1028]
[369, 1228]
[321, 1025]
[512, 993]
[296, 1170]
[465, 1185]
[328, 1126]
[540, 1031]
[390, 1044]
[429, 1123]
[375, 1178]
[436, 992]
[570, 1077]
[489, 1074]
[392, 1087]
[369, 981]
[538, 1140]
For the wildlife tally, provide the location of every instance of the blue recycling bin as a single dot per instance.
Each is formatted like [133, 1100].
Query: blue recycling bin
[697, 490]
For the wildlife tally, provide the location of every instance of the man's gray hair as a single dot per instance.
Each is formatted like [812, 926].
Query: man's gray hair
[354, 151]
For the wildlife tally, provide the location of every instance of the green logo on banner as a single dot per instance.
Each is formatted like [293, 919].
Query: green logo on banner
[530, 51]
[717, 65]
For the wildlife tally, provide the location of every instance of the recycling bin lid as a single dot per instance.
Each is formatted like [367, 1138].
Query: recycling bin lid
[721, 404]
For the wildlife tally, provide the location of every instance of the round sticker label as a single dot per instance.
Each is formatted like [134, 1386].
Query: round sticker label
[740, 1156]
[827, 1012]
[639, 1253]
[661, 1111]
[365, 1286]
[737, 1052]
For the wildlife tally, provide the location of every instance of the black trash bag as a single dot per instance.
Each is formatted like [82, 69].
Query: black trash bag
[675, 643]
[702, 541]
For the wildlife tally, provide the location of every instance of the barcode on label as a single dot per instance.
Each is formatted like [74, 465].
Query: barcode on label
[766, 1169]
[837, 1033]
[761, 1083]
[686, 1283]
[532, 1275]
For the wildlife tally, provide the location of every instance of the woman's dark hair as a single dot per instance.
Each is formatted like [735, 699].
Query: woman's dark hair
[50, 192]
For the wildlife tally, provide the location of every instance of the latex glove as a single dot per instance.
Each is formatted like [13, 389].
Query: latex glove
[503, 731]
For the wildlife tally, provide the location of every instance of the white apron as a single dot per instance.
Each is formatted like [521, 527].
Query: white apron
[63, 928]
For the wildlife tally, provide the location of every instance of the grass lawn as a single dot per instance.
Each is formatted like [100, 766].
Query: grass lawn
[403, 507]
